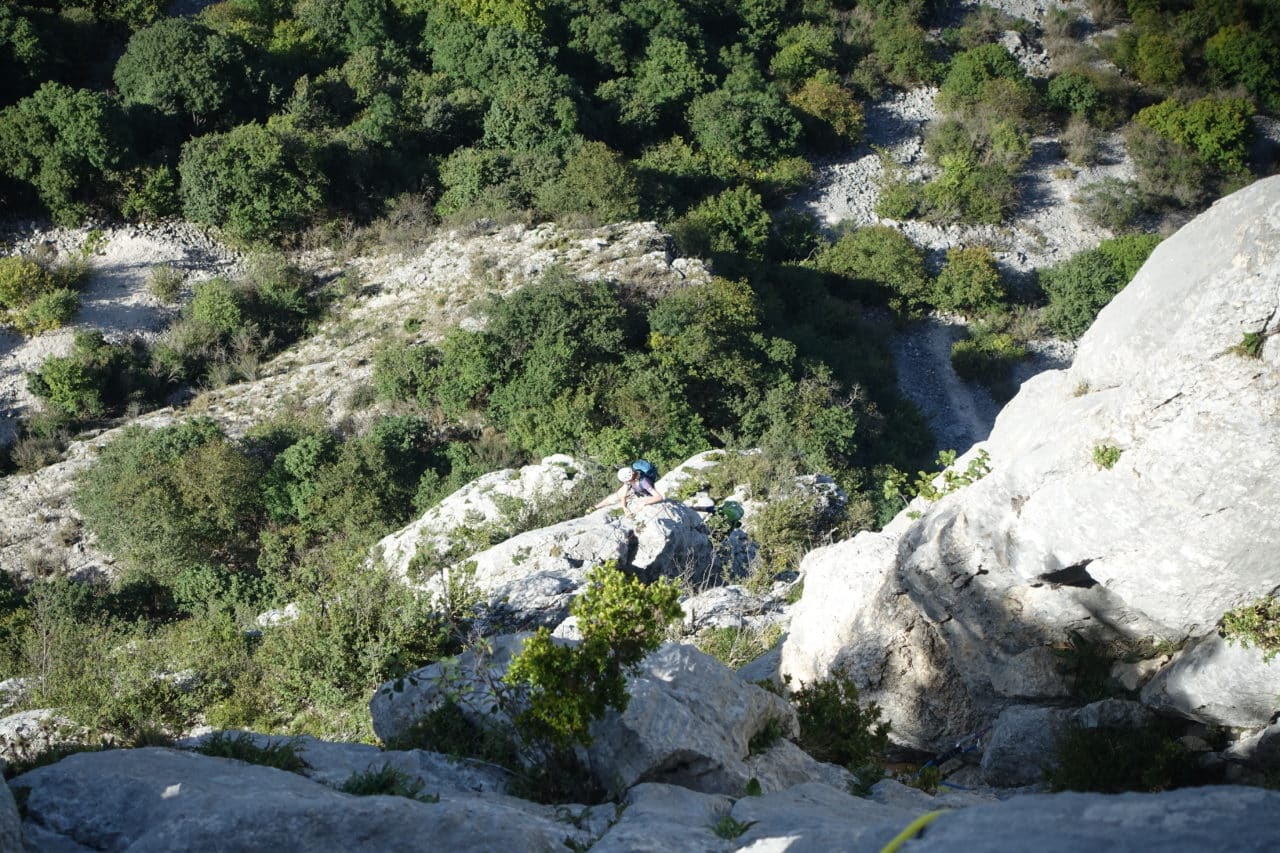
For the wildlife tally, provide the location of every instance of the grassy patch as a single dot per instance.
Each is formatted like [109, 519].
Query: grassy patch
[280, 754]
[386, 781]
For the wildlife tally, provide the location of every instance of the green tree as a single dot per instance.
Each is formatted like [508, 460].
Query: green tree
[1243, 56]
[803, 50]
[969, 78]
[184, 69]
[597, 184]
[61, 141]
[564, 688]
[253, 181]
[733, 222]
[529, 113]
[24, 59]
[834, 114]
[743, 127]
[884, 258]
[167, 499]
[1159, 59]
[1083, 285]
[969, 282]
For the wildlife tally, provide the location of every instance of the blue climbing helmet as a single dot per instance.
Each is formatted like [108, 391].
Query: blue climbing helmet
[648, 471]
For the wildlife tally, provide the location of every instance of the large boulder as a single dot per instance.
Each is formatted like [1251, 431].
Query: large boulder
[1215, 682]
[1024, 740]
[153, 799]
[690, 722]
[10, 821]
[27, 734]
[955, 610]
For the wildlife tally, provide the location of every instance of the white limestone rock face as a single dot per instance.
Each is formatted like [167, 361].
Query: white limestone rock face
[667, 819]
[948, 618]
[25, 735]
[488, 500]
[689, 723]
[144, 800]
[1216, 682]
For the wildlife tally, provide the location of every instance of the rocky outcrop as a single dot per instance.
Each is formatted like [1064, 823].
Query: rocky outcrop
[162, 800]
[1215, 682]
[690, 722]
[10, 821]
[947, 618]
[27, 734]
[1023, 740]
[528, 580]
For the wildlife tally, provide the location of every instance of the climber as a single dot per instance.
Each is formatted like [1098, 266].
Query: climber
[637, 481]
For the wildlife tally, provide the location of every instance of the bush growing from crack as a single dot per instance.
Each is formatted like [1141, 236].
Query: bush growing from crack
[1256, 624]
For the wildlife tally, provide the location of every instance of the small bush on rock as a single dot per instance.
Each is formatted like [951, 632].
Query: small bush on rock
[386, 781]
[1112, 760]
[1256, 625]
[280, 754]
[565, 688]
[836, 728]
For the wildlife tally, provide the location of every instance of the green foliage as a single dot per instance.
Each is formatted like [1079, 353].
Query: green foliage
[185, 70]
[1081, 287]
[386, 781]
[1216, 129]
[736, 647]
[405, 372]
[836, 728]
[596, 186]
[884, 259]
[832, 115]
[166, 499]
[448, 730]
[1256, 625]
[987, 357]
[734, 222]
[1238, 54]
[568, 687]
[737, 128]
[1111, 203]
[1110, 760]
[727, 828]
[897, 493]
[1074, 92]
[901, 52]
[1250, 345]
[280, 754]
[532, 113]
[1106, 455]
[971, 74]
[61, 142]
[1158, 59]
[803, 50]
[969, 282]
[253, 181]
[164, 282]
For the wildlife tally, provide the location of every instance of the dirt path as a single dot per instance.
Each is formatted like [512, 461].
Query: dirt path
[959, 413]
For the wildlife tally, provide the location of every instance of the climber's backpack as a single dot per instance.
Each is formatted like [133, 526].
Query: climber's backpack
[648, 471]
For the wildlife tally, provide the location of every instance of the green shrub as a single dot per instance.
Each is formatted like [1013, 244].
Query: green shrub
[1250, 345]
[151, 194]
[803, 50]
[405, 372]
[50, 310]
[972, 71]
[62, 142]
[532, 113]
[1158, 59]
[987, 357]
[253, 181]
[164, 282]
[568, 687]
[969, 282]
[1082, 286]
[728, 828]
[733, 222]
[165, 499]
[280, 754]
[836, 728]
[386, 781]
[1075, 93]
[884, 258]
[833, 116]
[742, 127]
[204, 87]
[1106, 455]
[1111, 760]
[1256, 625]
[1217, 129]
[901, 51]
[1240, 55]
[1111, 203]
[596, 186]
[736, 647]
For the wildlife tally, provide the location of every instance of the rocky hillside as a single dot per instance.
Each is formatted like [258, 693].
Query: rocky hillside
[1130, 505]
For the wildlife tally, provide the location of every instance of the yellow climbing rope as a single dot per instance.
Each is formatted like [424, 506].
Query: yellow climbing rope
[913, 829]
